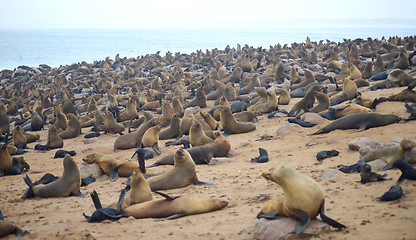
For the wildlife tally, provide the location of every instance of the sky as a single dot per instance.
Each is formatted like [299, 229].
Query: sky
[193, 13]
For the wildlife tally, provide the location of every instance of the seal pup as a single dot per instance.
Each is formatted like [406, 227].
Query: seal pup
[408, 172]
[307, 101]
[68, 184]
[111, 166]
[264, 156]
[394, 193]
[54, 140]
[360, 121]
[74, 127]
[303, 199]
[230, 125]
[368, 176]
[284, 96]
[182, 174]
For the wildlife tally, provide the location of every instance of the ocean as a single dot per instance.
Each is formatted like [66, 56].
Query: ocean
[56, 47]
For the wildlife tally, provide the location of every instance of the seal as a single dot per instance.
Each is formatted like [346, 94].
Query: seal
[139, 191]
[68, 184]
[186, 122]
[230, 125]
[182, 174]
[173, 207]
[323, 102]
[111, 166]
[213, 125]
[220, 91]
[19, 138]
[199, 100]
[394, 193]
[7, 228]
[110, 124]
[368, 176]
[360, 121]
[167, 113]
[388, 154]
[284, 96]
[303, 199]
[4, 122]
[177, 106]
[245, 116]
[349, 91]
[54, 140]
[197, 135]
[151, 138]
[173, 130]
[269, 106]
[74, 127]
[133, 139]
[307, 101]
[408, 172]
[201, 154]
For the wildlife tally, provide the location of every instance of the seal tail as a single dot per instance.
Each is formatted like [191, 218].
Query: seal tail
[329, 220]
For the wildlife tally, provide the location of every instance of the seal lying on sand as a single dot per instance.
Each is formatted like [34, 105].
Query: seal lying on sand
[360, 121]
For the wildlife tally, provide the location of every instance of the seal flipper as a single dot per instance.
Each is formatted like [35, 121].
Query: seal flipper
[303, 220]
[270, 215]
[113, 173]
[156, 149]
[140, 159]
[327, 219]
[175, 216]
[195, 181]
[28, 182]
[166, 196]
[96, 200]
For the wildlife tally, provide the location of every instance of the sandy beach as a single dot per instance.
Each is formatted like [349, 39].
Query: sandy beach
[238, 181]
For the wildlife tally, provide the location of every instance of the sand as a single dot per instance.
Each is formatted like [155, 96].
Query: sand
[239, 182]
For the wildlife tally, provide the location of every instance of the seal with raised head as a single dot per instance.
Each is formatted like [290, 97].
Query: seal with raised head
[151, 138]
[111, 125]
[360, 121]
[303, 199]
[182, 174]
[230, 125]
[197, 135]
[111, 166]
[173, 130]
[68, 184]
[54, 140]
[74, 127]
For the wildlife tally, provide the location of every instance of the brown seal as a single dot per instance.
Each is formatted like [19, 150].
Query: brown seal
[186, 122]
[230, 125]
[130, 113]
[213, 125]
[19, 138]
[111, 166]
[246, 116]
[200, 99]
[404, 95]
[173, 207]
[133, 139]
[182, 174]
[309, 78]
[139, 191]
[177, 106]
[254, 82]
[350, 109]
[167, 113]
[68, 184]
[220, 91]
[151, 138]
[269, 106]
[4, 122]
[284, 96]
[323, 102]
[54, 140]
[173, 130]
[201, 154]
[360, 121]
[390, 154]
[303, 199]
[197, 135]
[5, 160]
[308, 100]
[110, 124]
[349, 91]
[7, 228]
[74, 127]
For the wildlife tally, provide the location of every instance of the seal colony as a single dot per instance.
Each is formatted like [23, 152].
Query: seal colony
[216, 100]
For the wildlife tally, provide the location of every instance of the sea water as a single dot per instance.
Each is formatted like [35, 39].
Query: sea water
[56, 47]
